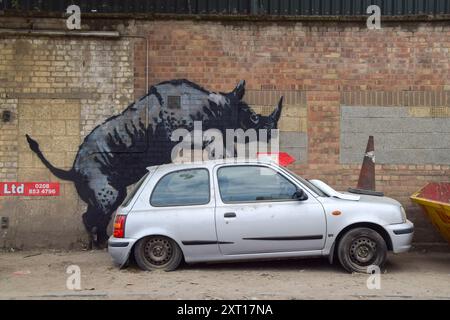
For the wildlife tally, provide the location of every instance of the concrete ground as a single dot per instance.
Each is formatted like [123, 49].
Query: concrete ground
[42, 275]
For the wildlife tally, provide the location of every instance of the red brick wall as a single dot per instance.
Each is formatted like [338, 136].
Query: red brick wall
[326, 60]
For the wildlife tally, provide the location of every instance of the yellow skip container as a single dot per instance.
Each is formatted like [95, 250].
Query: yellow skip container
[434, 198]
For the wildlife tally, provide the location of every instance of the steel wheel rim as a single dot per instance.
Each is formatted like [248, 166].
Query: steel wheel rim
[363, 251]
[158, 251]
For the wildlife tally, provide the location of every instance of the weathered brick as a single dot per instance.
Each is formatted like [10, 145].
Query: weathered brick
[51, 85]
[316, 68]
[72, 127]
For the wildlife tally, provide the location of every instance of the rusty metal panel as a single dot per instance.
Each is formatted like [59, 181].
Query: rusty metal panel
[238, 7]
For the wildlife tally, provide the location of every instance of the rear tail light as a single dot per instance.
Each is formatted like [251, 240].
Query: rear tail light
[119, 226]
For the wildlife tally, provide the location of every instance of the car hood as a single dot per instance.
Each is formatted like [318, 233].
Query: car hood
[376, 199]
[362, 198]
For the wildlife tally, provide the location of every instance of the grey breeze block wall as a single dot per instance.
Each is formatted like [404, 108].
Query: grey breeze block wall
[403, 135]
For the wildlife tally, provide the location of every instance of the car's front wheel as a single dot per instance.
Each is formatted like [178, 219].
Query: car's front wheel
[157, 253]
[361, 248]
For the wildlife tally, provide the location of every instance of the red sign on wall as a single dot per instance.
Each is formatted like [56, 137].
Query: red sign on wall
[283, 158]
[27, 189]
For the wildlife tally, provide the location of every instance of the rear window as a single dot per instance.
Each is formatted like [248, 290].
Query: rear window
[182, 188]
[133, 191]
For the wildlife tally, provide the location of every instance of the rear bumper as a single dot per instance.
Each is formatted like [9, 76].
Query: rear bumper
[401, 236]
[120, 249]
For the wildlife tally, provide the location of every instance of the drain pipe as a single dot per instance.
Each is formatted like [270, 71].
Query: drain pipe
[59, 33]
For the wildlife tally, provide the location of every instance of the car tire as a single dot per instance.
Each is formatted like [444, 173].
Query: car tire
[360, 248]
[157, 253]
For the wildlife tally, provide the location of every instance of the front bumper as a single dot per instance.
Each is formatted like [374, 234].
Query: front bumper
[401, 236]
[120, 249]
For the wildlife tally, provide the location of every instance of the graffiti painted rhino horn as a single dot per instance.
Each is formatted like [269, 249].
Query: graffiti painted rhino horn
[117, 152]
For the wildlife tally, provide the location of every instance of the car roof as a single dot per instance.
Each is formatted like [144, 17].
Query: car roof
[212, 163]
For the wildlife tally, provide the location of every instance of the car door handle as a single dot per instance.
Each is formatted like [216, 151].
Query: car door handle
[230, 215]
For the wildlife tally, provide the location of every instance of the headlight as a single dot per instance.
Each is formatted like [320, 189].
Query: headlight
[403, 214]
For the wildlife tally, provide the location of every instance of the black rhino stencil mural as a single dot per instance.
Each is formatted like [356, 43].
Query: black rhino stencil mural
[116, 153]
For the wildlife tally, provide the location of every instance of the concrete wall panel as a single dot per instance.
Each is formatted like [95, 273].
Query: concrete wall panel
[400, 138]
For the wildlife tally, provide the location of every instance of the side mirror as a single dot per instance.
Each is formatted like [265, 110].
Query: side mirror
[300, 195]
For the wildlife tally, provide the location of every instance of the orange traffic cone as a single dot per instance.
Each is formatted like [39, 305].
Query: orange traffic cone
[366, 181]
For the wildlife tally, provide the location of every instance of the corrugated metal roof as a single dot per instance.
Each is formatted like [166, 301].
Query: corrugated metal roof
[239, 7]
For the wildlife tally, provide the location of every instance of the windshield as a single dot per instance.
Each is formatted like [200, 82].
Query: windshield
[133, 191]
[308, 184]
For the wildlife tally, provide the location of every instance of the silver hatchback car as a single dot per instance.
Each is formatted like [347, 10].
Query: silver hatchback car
[227, 210]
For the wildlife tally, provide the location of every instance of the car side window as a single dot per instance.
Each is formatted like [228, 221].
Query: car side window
[182, 188]
[253, 184]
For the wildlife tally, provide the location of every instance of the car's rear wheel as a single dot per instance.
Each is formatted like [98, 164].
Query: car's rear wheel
[157, 253]
[360, 248]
